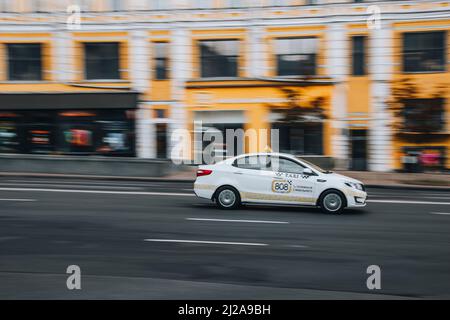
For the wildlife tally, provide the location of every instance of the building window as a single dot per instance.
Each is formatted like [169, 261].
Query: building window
[296, 56]
[424, 115]
[159, 4]
[424, 51]
[75, 132]
[235, 3]
[36, 5]
[116, 5]
[359, 55]
[161, 63]
[161, 140]
[202, 4]
[24, 61]
[304, 138]
[219, 58]
[101, 60]
[160, 113]
[86, 5]
[3, 6]
[279, 3]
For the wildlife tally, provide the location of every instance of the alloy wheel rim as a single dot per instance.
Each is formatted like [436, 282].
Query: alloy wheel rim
[227, 198]
[332, 202]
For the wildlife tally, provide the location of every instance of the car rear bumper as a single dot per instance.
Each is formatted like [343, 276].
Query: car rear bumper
[204, 190]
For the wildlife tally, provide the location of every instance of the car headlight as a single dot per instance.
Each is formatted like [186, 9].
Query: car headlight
[357, 186]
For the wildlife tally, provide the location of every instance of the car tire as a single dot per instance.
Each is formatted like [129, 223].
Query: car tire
[332, 201]
[227, 198]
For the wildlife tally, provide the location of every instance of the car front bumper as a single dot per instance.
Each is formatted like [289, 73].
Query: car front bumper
[356, 198]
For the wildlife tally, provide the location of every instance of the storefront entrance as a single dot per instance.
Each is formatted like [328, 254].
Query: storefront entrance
[358, 140]
[222, 123]
[303, 138]
[57, 130]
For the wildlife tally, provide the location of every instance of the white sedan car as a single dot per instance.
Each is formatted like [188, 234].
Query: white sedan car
[275, 178]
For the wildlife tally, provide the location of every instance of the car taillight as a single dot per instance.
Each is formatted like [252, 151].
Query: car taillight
[203, 172]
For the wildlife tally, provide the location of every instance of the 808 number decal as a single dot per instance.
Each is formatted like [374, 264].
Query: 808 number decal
[281, 186]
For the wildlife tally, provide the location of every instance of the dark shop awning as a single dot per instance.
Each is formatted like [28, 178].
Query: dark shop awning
[85, 100]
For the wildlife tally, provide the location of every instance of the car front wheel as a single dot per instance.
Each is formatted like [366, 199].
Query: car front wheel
[332, 202]
[227, 198]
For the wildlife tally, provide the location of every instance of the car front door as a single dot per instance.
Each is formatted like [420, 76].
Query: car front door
[290, 185]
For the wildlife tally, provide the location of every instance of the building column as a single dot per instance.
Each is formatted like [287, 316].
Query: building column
[256, 61]
[380, 66]
[140, 81]
[145, 136]
[337, 67]
[63, 53]
[181, 71]
[139, 60]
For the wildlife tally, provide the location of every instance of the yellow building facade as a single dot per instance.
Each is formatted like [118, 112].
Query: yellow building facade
[123, 76]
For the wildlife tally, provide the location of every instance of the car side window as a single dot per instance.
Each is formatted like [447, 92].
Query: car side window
[286, 165]
[250, 162]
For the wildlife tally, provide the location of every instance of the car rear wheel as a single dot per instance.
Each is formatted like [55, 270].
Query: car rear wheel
[332, 202]
[227, 198]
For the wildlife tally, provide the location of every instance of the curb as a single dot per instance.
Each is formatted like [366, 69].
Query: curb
[91, 177]
[181, 180]
[407, 186]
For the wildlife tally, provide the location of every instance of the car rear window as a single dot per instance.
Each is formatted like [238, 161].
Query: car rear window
[252, 163]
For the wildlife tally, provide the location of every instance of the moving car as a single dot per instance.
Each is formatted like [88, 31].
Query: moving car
[276, 178]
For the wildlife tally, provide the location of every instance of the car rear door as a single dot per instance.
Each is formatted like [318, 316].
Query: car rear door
[253, 177]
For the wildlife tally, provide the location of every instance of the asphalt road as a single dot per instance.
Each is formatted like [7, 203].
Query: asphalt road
[155, 240]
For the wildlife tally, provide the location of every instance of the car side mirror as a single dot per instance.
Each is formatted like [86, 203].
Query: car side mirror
[308, 172]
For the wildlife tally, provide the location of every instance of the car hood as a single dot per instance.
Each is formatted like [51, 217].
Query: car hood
[338, 176]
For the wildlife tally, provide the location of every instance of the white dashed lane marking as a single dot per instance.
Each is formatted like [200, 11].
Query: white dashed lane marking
[207, 242]
[19, 200]
[244, 221]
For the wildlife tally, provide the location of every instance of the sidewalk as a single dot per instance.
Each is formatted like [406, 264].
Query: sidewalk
[401, 180]
[370, 179]
[373, 179]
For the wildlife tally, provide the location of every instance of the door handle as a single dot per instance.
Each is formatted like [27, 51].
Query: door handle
[237, 172]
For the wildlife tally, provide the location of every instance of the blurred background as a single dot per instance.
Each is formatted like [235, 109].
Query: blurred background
[356, 85]
[93, 94]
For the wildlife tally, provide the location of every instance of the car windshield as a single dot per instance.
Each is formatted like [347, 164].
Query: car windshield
[315, 167]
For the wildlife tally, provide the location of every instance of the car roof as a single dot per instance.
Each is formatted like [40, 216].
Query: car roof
[264, 154]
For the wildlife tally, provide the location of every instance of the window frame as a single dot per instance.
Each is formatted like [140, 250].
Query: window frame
[159, 5]
[290, 160]
[235, 163]
[203, 58]
[10, 66]
[117, 5]
[86, 64]
[165, 59]
[203, 4]
[443, 49]
[362, 54]
[410, 107]
[315, 60]
[230, 4]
